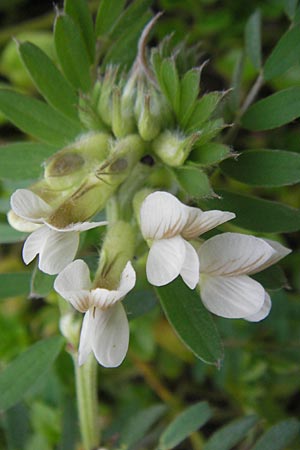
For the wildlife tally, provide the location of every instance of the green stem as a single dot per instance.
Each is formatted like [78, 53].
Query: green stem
[248, 101]
[86, 387]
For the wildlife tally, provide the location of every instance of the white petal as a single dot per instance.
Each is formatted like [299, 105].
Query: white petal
[85, 345]
[232, 297]
[79, 226]
[162, 216]
[21, 224]
[165, 260]
[280, 252]
[233, 254]
[34, 244]
[73, 284]
[29, 206]
[58, 251]
[263, 312]
[200, 222]
[190, 267]
[103, 298]
[128, 279]
[111, 335]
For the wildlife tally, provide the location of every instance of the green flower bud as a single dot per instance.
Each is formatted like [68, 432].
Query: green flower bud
[117, 250]
[138, 200]
[100, 185]
[123, 157]
[51, 196]
[173, 148]
[122, 115]
[148, 122]
[69, 326]
[71, 165]
[104, 106]
[87, 111]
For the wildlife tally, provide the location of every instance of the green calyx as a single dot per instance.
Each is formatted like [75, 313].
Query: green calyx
[98, 186]
[117, 249]
[172, 148]
[71, 165]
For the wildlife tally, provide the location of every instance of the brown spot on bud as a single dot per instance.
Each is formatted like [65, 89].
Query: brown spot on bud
[65, 164]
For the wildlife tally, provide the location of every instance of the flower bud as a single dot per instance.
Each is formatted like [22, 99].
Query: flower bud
[138, 200]
[69, 166]
[104, 106]
[117, 250]
[173, 148]
[122, 115]
[148, 121]
[69, 326]
[99, 185]
[87, 111]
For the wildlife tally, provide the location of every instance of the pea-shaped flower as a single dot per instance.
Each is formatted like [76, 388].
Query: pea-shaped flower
[226, 260]
[105, 329]
[167, 225]
[56, 247]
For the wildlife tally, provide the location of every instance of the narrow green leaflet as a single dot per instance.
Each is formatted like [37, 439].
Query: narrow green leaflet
[193, 181]
[209, 154]
[269, 168]
[184, 425]
[156, 62]
[273, 111]
[256, 214]
[285, 54]
[235, 95]
[108, 13]
[16, 426]
[14, 284]
[203, 110]
[37, 118]
[209, 130]
[253, 39]
[26, 370]
[41, 283]
[139, 424]
[72, 53]
[189, 90]
[279, 436]
[129, 17]
[23, 160]
[170, 83]
[49, 81]
[139, 302]
[9, 235]
[69, 424]
[79, 11]
[123, 50]
[230, 435]
[191, 321]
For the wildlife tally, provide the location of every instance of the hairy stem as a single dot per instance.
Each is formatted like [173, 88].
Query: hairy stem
[86, 387]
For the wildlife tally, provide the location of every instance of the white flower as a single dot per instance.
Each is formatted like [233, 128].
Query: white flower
[105, 329]
[167, 223]
[226, 260]
[56, 247]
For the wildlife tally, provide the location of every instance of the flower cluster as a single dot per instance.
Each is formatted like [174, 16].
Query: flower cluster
[218, 267]
[144, 130]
